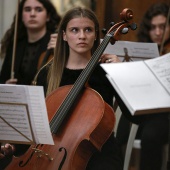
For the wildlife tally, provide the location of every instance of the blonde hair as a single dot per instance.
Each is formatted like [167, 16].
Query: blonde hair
[61, 52]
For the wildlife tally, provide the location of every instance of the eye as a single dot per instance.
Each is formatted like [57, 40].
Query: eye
[88, 29]
[162, 26]
[27, 9]
[39, 9]
[74, 30]
[152, 27]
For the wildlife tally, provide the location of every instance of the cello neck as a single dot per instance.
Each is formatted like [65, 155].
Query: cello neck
[78, 86]
[112, 35]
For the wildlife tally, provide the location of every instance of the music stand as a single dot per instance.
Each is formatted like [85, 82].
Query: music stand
[16, 123]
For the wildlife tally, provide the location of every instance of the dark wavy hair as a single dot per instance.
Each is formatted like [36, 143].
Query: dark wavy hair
[52, 24]
[145, 26]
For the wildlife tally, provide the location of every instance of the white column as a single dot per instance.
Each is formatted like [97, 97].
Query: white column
[7, 12]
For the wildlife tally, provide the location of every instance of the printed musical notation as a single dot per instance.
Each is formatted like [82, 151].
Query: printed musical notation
[23, 115]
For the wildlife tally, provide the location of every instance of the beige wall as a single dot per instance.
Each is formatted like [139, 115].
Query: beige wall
[63, 5]
[7, 11]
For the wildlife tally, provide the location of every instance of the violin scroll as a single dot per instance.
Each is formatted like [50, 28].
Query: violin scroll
[126, 14]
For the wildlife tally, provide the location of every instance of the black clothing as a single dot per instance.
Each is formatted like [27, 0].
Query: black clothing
[101, 81]
[153, 133]
[110, 157]
[25, 68]
[26, 63]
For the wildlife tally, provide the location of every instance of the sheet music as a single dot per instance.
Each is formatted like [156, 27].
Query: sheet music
[39, 114]
[135, 50]
[138, 87]
[161, 69]
[10, 112]
[33, 96]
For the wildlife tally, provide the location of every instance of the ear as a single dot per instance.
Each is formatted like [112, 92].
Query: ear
[64, 36]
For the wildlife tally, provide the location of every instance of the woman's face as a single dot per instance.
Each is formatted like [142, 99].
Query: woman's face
[158, 26]
[34, 15]
[80, 35]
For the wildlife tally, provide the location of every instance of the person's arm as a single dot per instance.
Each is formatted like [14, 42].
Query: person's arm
[11, 81]
[53, 41]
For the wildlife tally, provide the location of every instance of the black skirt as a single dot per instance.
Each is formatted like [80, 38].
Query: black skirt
[109, 158]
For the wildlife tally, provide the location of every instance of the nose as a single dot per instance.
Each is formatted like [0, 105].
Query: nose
[82, 34]
[158, 31]
[32, 12]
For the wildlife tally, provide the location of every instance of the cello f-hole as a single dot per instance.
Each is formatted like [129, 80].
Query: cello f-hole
[64, 157]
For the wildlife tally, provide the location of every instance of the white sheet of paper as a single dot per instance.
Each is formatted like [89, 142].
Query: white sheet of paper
[38, 107]
[136, 50]
[161, 69]
[137, 86]
[34, 97]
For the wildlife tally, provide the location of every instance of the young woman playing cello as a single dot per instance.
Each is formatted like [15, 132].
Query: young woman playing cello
[78, 38]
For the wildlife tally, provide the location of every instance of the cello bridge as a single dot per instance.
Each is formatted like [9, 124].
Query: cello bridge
[41, 153]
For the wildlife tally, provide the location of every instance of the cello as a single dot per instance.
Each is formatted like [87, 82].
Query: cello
[76, 137]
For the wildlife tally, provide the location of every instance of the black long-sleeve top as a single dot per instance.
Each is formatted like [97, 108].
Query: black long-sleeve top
[26, 60]
[97, 81]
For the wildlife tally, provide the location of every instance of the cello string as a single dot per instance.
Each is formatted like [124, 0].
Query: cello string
[78, 85]
[80, 82]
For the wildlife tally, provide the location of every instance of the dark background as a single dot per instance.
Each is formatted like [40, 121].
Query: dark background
[109, 11]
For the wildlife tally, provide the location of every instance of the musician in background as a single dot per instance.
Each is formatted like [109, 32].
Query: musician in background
[153, 131]
[155, 27]
[36, 21]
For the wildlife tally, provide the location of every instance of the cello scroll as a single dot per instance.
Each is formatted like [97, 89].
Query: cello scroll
[122, 27]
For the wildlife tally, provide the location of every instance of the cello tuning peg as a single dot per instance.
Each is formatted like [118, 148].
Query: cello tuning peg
[133, 26]
[125, 30]
[112, 23]
[104, 30]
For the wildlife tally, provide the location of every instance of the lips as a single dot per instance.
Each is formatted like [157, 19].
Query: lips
[82, 44]
[32, 22]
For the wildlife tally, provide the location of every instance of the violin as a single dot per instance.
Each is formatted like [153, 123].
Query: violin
[166, 48]
[78, 127]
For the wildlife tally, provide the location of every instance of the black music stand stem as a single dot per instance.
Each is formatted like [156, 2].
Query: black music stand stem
[126, 57]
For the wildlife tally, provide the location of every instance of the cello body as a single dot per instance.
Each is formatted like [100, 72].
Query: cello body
[74, 145]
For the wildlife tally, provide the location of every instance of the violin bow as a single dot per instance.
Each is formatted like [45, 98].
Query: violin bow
[167, 22]
[15, 40]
